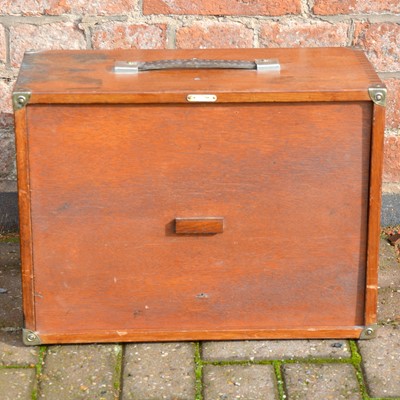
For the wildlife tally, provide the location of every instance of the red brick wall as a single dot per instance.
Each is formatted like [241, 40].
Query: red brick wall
[371, 25]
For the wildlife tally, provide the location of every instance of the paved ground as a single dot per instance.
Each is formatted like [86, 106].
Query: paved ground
[248, 370]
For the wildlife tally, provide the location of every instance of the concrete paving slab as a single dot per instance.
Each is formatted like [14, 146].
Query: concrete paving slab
[389, 268]
[14, 352]
[321, 382]
[9, 254]
[389, 305]
[381, 357]
[243, 382]
[10, 296]
[79, 372]
[274, 349]
[159, 371]
[16, 384]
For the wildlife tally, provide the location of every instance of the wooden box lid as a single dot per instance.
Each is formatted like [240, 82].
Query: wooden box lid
[88, 76]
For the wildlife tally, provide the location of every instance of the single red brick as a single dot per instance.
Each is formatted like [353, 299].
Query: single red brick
[6, 88]
[332, 7]
[222, 7]
[6, 120]
[3, 44]
[21, 7]
[297, 33]
[57, 7]
[391, 159]
[380, 42]
[113, 35]
[393, 103]
[203, 35]
[7, 149]
[50, 36]
[98, 7]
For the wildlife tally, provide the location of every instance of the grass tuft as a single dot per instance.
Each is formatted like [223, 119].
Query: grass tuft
[356, 360]
[198, 371]
[9, 238]
[279, 379]
[117, 379]
[39, 370]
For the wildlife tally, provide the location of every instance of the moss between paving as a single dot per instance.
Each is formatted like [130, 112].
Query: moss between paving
[355, 360]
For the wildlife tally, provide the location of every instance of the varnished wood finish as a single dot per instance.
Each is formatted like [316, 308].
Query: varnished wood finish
[208, 225]
[107, 163]
[127, 335]
[293, 248]
[374, 215]
[24, 204]
[335, 74]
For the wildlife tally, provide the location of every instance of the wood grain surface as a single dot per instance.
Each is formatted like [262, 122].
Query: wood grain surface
[290, 180]
[374, 225]
[200, 225]
[25, 228]
[81, 76]
[130, 335]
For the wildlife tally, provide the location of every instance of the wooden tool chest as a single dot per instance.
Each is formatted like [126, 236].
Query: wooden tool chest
[198, 194]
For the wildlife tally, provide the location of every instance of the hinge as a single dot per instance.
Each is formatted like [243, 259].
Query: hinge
[30, 338]
[378, 95]
[20, 99]
[369, 332]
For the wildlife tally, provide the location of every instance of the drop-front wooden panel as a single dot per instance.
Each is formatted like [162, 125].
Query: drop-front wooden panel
[289, 180]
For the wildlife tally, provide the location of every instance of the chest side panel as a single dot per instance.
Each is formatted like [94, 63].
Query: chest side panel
[289, 180]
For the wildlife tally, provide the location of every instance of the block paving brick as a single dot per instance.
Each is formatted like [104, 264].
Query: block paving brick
[10, 282]
[389, 305]
[252, 382]
[381, 362]
[321, 382]
[16, 384]
[159, 371]
[255, 350]
[14, 352]
[389, 268]
[79, 372]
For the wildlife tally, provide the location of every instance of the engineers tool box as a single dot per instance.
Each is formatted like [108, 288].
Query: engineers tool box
[199, 194]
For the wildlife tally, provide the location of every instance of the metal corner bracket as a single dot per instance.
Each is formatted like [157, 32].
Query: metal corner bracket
[20, 99]
[378, 95]
[30, 338]
[369, 332]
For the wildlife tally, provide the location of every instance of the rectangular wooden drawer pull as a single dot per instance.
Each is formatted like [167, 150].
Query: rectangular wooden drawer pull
[199, 225]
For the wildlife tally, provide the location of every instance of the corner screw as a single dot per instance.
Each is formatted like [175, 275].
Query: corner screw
[379, 96]
[21, 100]
[31, 337]
[369, 331]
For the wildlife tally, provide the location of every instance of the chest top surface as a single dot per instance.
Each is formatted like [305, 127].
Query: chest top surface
[81, 76]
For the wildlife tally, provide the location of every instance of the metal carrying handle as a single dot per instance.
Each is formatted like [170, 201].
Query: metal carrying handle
[133, 67]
